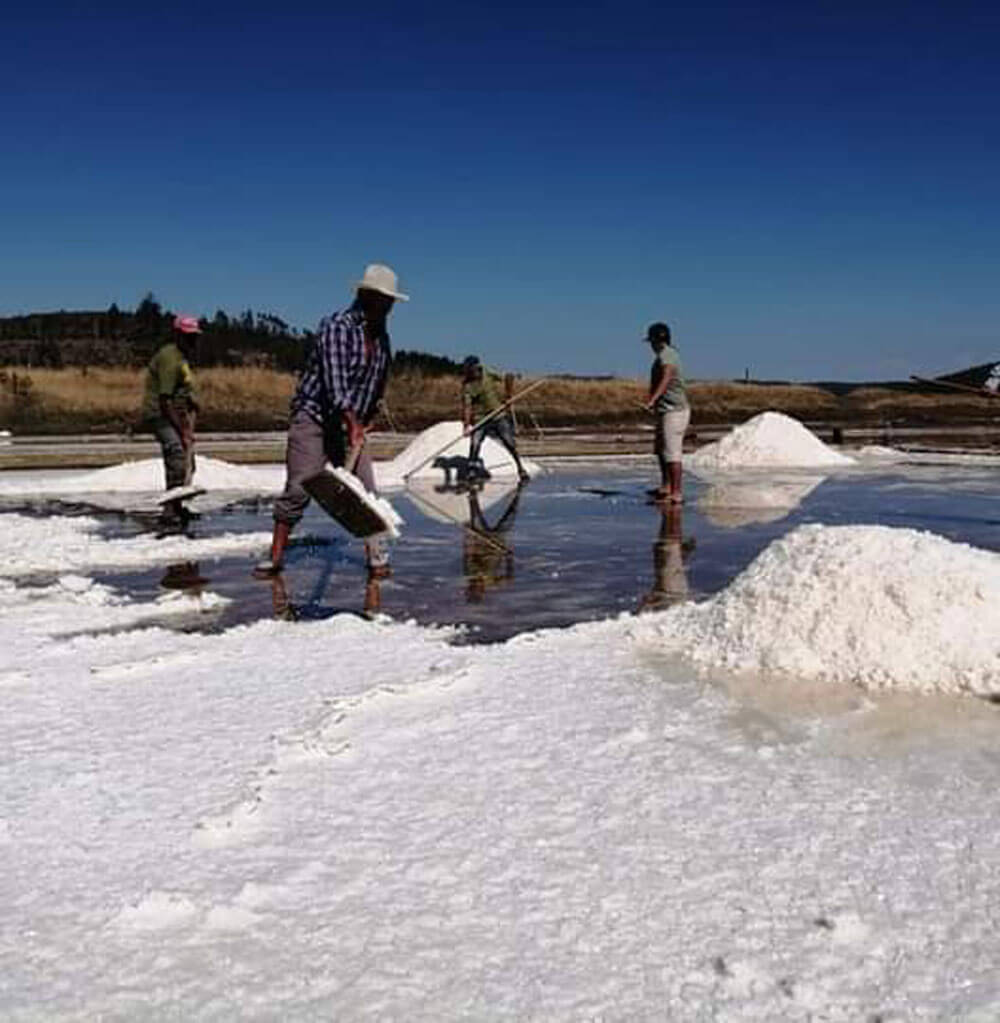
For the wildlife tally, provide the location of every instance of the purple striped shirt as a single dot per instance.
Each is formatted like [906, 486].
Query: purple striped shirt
[337, 376]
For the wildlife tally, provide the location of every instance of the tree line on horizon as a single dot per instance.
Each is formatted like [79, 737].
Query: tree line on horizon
[117, 337]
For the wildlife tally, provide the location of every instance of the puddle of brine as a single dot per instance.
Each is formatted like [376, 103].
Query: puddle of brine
[580, 542]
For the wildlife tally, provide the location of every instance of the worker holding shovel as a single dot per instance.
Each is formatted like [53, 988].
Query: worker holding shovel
[480, 399]
[337, 397]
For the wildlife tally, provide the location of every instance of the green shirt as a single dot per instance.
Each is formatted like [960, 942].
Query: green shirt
[675, 396]
[483, 395]
[168, 376]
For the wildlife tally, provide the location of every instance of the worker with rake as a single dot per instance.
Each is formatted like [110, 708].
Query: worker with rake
[481, 398]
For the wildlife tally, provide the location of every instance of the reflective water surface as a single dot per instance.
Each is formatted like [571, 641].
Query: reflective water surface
[579, 542]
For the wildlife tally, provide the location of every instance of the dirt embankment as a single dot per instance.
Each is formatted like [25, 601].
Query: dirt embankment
[108, 401]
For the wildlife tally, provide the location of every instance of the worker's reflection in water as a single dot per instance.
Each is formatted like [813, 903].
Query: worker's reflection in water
[288, 611]
[670, 552]
[184, 575]
[487, 558]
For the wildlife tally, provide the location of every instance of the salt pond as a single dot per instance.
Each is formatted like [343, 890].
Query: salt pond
[579, 543]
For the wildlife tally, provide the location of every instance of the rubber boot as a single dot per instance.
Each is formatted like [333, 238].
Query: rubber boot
[279, 541]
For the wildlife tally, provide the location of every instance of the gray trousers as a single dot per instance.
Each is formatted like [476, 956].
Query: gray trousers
[310, 446]
[500, 428]
[174, 457]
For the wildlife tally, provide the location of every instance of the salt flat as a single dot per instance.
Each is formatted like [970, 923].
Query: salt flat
[355, 818]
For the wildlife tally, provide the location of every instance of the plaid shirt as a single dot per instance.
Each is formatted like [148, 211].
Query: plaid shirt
[336, 376]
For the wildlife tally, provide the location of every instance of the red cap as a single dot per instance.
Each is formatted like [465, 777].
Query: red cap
[187, 324]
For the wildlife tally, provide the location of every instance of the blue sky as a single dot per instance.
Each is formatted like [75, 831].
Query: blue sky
[807, 191]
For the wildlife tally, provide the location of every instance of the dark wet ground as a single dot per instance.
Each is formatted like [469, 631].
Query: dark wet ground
[575, 544]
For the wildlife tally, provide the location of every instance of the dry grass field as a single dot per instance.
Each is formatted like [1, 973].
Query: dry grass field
[109, 400]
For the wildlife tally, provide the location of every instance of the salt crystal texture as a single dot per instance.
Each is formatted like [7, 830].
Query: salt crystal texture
[880, 607]
[769, 439]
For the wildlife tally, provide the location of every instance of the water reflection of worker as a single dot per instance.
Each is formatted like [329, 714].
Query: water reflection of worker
[487, 558]
[289, 612]
[670, 551]
[184, 575]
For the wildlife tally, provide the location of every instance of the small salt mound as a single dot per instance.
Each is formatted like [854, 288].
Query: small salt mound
[418, 458]
[210, 473]
[769, 439]
[881, 607]
[143, 476]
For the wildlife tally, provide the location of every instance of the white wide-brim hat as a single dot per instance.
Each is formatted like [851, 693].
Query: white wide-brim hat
[381, 278]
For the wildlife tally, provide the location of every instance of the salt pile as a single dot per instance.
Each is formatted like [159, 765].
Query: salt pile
[147, 474]
[769, 439]
[417, 460]
[872, 605]
[143, 476]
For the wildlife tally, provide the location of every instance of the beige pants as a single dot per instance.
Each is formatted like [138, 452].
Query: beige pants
[670, 430]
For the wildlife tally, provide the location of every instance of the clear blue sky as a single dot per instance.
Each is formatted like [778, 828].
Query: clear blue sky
[809, 190]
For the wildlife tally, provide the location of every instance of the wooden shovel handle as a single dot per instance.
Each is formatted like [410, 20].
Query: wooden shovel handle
[353, 455]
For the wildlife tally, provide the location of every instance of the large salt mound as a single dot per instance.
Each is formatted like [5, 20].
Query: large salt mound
[880, 607]
[769, 439]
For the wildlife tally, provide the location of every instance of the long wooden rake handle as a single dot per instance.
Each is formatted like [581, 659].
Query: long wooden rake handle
[482, 422]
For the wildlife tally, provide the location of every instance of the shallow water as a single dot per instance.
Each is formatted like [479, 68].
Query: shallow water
[580, 542]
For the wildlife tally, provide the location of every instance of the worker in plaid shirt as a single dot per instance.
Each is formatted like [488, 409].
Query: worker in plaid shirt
[336, 399]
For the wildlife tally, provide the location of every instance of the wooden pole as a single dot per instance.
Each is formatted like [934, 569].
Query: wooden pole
[384, 406]
[981, 391]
